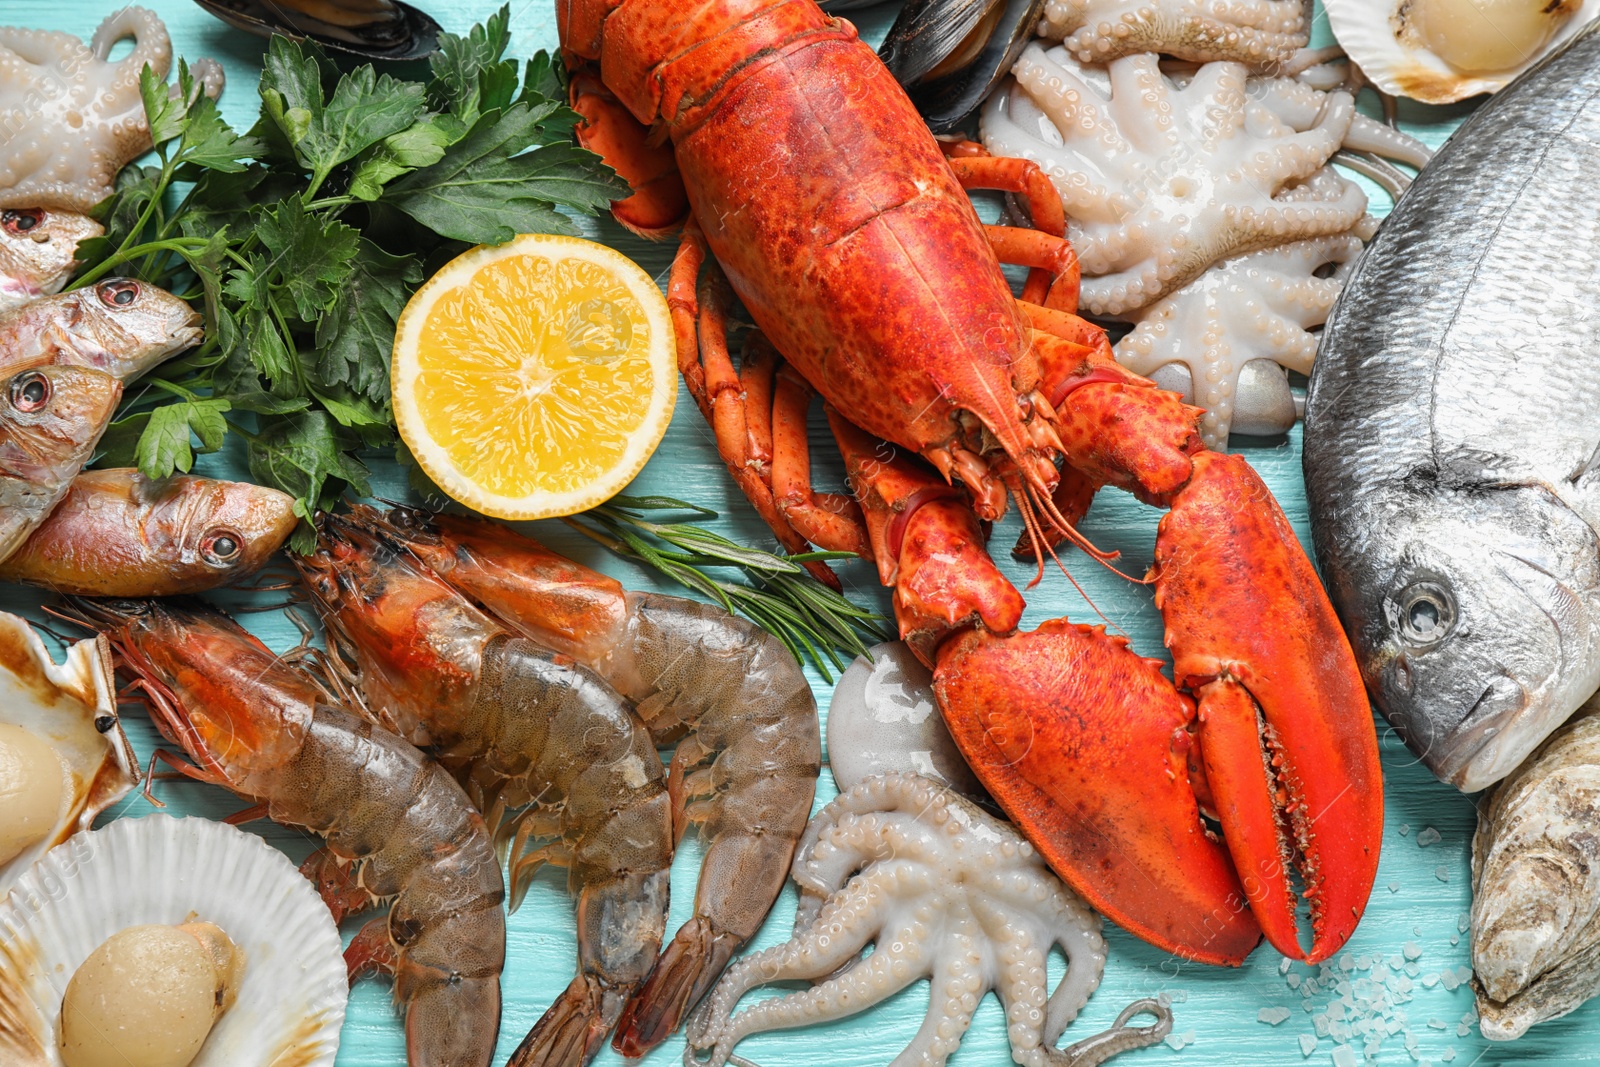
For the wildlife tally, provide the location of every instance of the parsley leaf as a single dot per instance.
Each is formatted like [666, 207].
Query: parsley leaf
[464, 66]
[165, 444]
[356, 338]
[484, 192]
[310, 254]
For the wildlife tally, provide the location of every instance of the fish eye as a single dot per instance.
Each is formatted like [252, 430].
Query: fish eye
[1426, 613]
[20, 221]
[30, 392]
[221, 546]
[118, 292]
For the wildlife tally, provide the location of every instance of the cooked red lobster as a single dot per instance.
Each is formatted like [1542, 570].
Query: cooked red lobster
[785, 149]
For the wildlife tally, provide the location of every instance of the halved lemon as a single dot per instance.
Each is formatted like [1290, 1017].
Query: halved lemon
[536, 377]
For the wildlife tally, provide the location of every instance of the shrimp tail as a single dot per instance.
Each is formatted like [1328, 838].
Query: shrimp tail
[572, 1030]
[449, 1014]
[683, 974]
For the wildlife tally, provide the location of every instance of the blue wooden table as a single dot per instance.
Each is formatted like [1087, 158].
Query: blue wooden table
[1399, 988]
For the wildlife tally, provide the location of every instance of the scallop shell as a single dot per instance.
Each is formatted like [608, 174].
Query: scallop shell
[72, 706]
[1380, 36]
[159, 869]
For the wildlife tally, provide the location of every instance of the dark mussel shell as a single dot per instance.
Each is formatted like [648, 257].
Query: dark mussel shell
[373, 29]
[951, 54]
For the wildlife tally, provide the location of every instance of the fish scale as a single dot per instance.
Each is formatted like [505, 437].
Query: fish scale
[1451, 433]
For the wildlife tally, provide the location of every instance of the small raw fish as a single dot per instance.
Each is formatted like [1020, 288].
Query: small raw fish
[1536, 885]
[118, 325]
[50, 421]
[118, 533]
[38, 250]
[1452, 438]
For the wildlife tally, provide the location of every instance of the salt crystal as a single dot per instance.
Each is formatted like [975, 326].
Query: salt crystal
[1447, 1055]
[1320, 1023]
[1429, 836]
[1273, 1016]
[1412, 969]
[1339, 1030]
[1436, 1024]
[1164, 999]
[1344, 1056]
[1394, 887]
[1412, 950]
[1469, 1017]
[1347, 962]
[1463, 921]
[1308, 1044]
[1178, 996]
[1430, 980]
[1283, 965]
[1462, 1029]
[1449, 980]
[1176, 1041]
[1364, 963]
[1294, 981]
[1405, 828]
[1416, 931]
[1442, 873]
[1393, 1026]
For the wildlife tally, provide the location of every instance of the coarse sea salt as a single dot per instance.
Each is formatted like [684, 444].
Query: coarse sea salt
[1344, 1056]
[1412, 950]
[1442, 873]
[1429, 836]
[1273, 1016]
[1308, 1044]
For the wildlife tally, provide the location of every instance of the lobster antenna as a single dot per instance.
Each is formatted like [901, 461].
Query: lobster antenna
[1038, 541]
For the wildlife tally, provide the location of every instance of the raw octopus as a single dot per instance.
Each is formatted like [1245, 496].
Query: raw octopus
[945, 892]
[1202, 207]
[70, 118]
[1262, 33]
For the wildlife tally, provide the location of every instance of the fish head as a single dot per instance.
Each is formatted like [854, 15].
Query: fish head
[220, 531]
[38, 250]
[1472, 613]
[129, 326]
[52, 415]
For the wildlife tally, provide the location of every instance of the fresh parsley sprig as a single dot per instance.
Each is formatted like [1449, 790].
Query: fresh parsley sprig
[302, 239]
[812, 621]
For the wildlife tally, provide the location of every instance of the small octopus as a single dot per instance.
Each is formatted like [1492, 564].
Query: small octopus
[946, 892]
[70, 118]
[1264, 34]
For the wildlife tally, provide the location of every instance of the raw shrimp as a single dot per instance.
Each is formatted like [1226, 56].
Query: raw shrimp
[532, 730]
[121, 326]
[50, 420]
[118, 533]
[396, 824]
[749, 745]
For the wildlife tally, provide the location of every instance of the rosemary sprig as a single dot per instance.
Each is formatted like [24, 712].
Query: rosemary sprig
[812, 621]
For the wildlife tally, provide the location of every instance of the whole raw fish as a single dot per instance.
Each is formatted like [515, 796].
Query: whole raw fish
[118, 533]
[38, 250]
[50, 420]
[118, 325]
[1452, 436]
[1536, 885]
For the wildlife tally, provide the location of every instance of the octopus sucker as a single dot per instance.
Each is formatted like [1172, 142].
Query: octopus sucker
[943, 891]
[70, 117]
[1261, 33]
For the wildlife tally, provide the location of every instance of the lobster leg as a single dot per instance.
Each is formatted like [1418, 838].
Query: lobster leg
[1053, 279]
[701, 332]
[830, 522]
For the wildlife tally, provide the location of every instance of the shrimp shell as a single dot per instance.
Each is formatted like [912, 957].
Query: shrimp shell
[397, 826]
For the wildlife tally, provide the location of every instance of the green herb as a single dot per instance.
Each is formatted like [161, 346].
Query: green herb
[812, 621]
[302, 240]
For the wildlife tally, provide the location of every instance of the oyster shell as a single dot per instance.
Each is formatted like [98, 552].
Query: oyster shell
[159, 869]
[72, 707]
[1439, 51]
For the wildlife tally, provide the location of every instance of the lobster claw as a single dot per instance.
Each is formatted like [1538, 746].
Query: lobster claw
[1284, 730]
[1086, 746]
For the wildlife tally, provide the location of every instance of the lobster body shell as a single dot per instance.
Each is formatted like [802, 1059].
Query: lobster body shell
[830, 208]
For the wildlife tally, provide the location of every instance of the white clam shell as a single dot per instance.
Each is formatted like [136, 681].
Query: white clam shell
[1373, 34]
[883, 718]
[60, 703]
[159, 869]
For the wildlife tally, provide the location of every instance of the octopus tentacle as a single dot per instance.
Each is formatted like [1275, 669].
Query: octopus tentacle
[944, 891]
[1121, 1037]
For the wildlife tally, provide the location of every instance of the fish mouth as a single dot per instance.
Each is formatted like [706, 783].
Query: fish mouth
[1468, 760]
